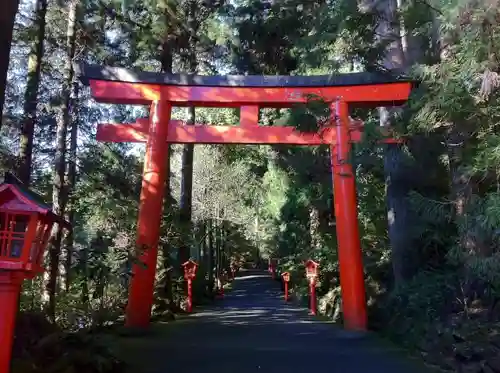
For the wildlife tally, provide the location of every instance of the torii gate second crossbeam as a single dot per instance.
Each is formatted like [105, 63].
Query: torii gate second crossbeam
[249, 93]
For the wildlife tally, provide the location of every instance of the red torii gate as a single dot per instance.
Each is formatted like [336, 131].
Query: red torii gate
[249, 93]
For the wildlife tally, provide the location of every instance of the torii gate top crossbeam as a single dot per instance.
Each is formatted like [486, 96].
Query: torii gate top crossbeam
[122, 86]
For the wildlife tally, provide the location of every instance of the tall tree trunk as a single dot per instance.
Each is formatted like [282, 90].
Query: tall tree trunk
[7, 18]
[210, 256]
[218, 242]
[461, 186]
[31, 94]
[203, 242]
[405, 257]
[226, 255]
[392, 31]
[85, 277]
[186, 201]
[59, 197]
[166, 60]
[70, 185]
[198, 247]
[314, 224]
[461, 192]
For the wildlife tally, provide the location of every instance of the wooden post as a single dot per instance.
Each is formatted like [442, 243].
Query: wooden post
[10, 288]
[312, 292]
[140, 299]
[190, 296]
[349, 245]
[286, 291]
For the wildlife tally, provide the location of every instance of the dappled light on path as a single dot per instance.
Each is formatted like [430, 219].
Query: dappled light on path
[254, 330]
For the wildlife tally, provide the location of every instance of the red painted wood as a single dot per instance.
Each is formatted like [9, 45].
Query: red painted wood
[154, 175]
[162, 130]
[180, 133]
[352, 279]
[143, 94]
[10, 288]
[312, 295]
[249, 116]
[190, 296]
[130, 132]
[7, 191]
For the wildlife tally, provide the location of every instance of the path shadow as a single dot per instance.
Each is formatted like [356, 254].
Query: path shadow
[253, 330]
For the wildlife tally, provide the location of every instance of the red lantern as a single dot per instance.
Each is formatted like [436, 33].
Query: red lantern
[190, 268]
[286, 280]
[286, 276]
[311, 269]
[25, 227]
[312, 275]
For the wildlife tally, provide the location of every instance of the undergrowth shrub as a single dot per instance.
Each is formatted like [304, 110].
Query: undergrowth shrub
[410, 309]
[40, 346]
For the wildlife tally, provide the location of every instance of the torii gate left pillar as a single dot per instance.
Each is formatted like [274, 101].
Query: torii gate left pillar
[154, 176]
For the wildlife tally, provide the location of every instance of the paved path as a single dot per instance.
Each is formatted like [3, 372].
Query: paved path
[253, 331]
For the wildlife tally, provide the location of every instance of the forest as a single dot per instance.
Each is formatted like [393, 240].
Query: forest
[428, 207]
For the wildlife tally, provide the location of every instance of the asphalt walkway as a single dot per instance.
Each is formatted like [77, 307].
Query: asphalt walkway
[253, 331]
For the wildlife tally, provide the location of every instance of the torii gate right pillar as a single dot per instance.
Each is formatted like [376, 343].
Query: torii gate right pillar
[352, 280]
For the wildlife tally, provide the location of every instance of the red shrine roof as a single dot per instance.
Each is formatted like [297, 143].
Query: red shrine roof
[15, 196]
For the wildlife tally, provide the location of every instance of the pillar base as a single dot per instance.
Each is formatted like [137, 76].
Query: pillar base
[10, 288]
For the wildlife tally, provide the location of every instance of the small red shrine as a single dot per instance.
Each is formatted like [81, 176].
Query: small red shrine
[190, 268]
[25, 226]
[311, 269]
[286, 280]
[312, 275]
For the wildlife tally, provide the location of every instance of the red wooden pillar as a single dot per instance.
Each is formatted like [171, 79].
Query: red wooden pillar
[140, 298]
[312, 295]
[190, 296]
[349, 245]
[10, 288]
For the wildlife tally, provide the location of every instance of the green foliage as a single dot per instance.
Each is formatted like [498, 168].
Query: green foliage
[434, 291]
[45, 348]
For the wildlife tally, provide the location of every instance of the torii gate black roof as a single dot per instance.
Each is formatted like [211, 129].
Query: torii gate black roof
[97, 72]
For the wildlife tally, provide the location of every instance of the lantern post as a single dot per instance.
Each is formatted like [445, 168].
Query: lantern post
[272, 267]
[286, 280]
[190, 268]
[25, 227]
[312, 275]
